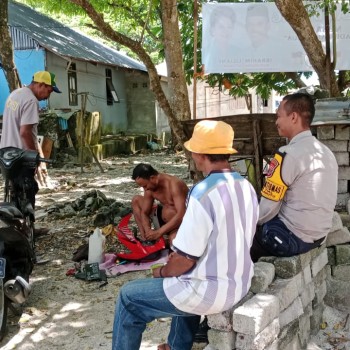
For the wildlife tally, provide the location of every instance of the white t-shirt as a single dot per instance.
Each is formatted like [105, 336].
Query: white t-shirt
[217, 229]
[21, 108]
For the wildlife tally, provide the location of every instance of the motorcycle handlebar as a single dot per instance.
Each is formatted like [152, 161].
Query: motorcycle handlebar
[44, 160]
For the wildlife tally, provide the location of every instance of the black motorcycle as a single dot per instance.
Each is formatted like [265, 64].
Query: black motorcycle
[17, 245]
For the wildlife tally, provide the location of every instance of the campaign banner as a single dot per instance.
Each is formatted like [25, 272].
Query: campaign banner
[254, 37]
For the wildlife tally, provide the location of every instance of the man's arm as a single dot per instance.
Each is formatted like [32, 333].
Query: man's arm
[26, 133]
[179, 194]
[176, 266]
[146, 209]
[280, 178]
[268, 210]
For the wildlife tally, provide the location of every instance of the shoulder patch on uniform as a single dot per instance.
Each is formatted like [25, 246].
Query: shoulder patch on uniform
[275, 188]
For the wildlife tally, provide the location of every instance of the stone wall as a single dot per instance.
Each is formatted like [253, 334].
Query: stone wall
[337, 137]
[285, 304]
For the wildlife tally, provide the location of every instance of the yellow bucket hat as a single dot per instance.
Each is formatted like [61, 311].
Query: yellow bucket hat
[211, 137]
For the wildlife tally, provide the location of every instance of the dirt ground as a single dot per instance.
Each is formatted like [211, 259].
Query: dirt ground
[64, 312]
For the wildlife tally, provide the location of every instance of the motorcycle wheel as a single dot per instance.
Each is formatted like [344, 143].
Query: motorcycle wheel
[3, 310]
[30, 235]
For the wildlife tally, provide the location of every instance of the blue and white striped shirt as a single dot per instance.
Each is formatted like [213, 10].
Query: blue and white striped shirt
[218, 229]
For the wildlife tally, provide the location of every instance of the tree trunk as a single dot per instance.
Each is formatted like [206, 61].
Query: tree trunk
[155, 85]
[295, 14]
[6, 51]
[178, 93]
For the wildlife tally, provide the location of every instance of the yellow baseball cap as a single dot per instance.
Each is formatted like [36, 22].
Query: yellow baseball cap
[47, 78]
[211, 137]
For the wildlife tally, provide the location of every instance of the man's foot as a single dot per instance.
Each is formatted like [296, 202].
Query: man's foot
[202, 333]
[163, 347]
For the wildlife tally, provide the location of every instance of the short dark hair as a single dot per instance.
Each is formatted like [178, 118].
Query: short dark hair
[224, 12]
[302, 104]
[218, 157]
[143, 170]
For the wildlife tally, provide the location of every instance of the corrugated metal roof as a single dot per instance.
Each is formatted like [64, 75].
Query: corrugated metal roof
[334, 110]
[62, 40]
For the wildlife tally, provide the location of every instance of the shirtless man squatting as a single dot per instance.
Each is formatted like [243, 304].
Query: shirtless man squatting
[169, 191]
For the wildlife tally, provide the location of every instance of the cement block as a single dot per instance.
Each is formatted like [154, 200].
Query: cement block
[268, 259]
[261, 340]
[285, 290]
[338, 294]
[342, 132]
[336, 145]
[292, 312]
[320, 277]
[342, 254]
[342, 200]
[342, 158]
[342, 186]
[307, 295]
[306, 275]
[337, 222]
[291, 266]
[287, 267]
[338, 237]
[317, 251]
[304, 330]
[287, 339]
[320, 294]
[316, 318]
[344, 172]
[264, 273]
[319, 263]
[221, 322]
[326, 132]
[255, 314]
[210, 347]
[341, 272]
[331, 255]
[345, 218]
[221, 340]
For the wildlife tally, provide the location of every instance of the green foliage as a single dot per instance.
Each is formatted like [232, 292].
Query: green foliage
[141, 20]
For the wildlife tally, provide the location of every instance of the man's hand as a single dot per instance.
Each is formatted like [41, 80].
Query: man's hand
[42, 175]
[152, 235]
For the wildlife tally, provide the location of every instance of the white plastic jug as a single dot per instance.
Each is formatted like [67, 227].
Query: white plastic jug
[96, 247]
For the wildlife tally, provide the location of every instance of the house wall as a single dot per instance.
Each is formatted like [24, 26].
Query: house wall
[91, 79]
[27, 63]
[140, 103]
[211, 102]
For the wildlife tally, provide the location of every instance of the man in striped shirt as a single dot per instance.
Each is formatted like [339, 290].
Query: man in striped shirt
[210, 269]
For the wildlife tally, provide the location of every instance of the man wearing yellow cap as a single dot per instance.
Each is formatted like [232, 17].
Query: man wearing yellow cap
[21, 117]
[210, 269]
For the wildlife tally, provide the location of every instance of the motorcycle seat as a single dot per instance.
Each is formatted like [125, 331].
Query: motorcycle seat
[9, 211]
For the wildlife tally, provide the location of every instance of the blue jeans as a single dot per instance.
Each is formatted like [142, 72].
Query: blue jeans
[275, 239]
[140, 302]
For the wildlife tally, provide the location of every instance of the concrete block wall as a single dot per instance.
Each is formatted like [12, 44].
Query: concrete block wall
[284, 306]
[338, 268]
[337, 138]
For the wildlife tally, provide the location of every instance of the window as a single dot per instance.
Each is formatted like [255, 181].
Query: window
[111, 93]
[72, 84]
